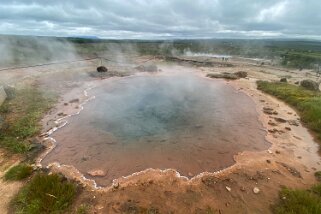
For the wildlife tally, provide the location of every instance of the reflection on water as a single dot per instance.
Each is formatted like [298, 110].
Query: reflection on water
[176, 121]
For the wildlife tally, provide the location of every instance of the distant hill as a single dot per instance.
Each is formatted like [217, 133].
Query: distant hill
[84, 37]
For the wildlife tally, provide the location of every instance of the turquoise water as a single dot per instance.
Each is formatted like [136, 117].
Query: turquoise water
[150, 106]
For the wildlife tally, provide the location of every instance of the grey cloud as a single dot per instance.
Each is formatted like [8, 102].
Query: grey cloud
[162, 18]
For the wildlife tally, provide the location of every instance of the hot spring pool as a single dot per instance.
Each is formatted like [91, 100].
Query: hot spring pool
[180, 121]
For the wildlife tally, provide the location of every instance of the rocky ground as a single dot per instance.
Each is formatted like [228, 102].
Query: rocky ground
[249, 186]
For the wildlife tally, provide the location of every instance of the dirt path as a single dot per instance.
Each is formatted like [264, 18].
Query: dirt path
[8, 189]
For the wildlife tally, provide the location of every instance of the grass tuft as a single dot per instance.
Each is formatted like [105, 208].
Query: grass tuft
[299, 201]
[18, 172]
[83, 209]
[306, 102]
[45, 194]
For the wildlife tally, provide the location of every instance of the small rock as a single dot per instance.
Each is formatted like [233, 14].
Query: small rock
[268, 110]
[283, 79]
[97, 173]
[293, 122]
[277, 152]
[273, 130]
[268, 161]
[291, 169]
[297, 137]
[190, 174]
[272, 123]
[84, 158]
[256, 190]
[116, 185]
[147, 68]
[288, 128]
[74, 101]
[228, 188]
[280, 120]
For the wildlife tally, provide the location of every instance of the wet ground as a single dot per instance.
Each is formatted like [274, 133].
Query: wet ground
[170, 120]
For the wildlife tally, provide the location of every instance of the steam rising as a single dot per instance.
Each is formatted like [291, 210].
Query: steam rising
[150, 106]
[18, 51]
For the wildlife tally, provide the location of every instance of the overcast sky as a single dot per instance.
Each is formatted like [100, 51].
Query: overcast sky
[163, 19]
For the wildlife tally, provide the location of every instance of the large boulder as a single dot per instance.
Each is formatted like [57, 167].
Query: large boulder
[310, 85]
[102, 69]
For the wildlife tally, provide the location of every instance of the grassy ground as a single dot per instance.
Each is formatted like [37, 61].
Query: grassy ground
[299, 201]
[307, 103]
[21, 114]
[45, 194]
[18, 172]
